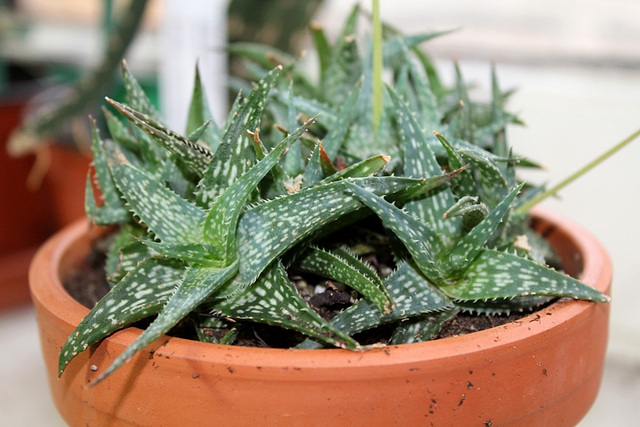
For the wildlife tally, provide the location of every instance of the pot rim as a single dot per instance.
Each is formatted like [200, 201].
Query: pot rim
[45, 283]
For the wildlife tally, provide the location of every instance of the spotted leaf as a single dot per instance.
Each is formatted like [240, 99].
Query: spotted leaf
[273, 300]
[140, 294]
[196, 285]
[456, 260]
[344, 267]
[222, 218]
[267, 230]
[199, 119]
[419, 239]
[501, 275]
[412, 294]
[235, 155]
[196, 156]
[170, 217]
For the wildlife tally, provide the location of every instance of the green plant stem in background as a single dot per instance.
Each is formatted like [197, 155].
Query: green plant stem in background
[377, 65]
[554, 190]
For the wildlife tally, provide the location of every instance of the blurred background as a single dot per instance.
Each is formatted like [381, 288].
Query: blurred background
[575, 66]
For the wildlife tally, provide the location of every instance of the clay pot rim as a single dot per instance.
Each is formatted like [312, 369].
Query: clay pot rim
[597, 272]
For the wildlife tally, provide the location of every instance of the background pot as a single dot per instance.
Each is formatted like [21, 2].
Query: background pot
[544, 369]
[24, 223]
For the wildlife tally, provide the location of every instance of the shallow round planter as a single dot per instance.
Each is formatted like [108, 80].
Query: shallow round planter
[544, 369]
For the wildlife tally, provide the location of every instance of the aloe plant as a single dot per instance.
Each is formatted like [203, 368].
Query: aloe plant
[233, 224]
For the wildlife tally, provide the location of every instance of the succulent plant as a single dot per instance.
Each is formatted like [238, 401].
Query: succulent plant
[216, 226]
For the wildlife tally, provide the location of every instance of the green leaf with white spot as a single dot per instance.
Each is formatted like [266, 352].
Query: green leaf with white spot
[273, 300]
[456, 260]
[502, 306]
[464, 182]
[267, 230]
[313, 172]
[235, 154]
[420, 161]
[345, 66]
[138, 295]
[125, 252]
[170, 217]
[412, 294]
[342, 266]
[199, 119]
[196, 285]
[222, 218]
[366, 167]
[135, 96]
[494, 274]
[112, 209]
[345, 116]
[420, 240]
[493, 184]
[197, 157]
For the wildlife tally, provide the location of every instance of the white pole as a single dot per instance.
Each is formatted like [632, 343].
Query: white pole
[192, 31]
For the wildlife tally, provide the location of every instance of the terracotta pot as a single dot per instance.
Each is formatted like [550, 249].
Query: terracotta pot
[65, 182]
[24, 219]
[544, 369]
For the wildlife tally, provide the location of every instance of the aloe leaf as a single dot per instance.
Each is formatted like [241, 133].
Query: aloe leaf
[200, 132]
[293, 160]
[462, 123]
[420, 161]
[196, 156]
[235, 154]
[274, 300]
[502, 306]
[465, 185]
[135, 96]
[335, 138]
[113, 209]
[456, 260]
[493, 182]
[125, 252]
[494, 274]
[138, 295]
[222, 218]
[193, 253]
[196, 285]
[179, 177]
[118, 131]
[214, 330]
[344, 267]
[199, 118]
[130, 139]
[420, 240]
[412, 294]
[430, 116]
[344, 68]
[313, 172]
[322, 48]
[267, 230]
[394, 46]
[274, 184]
[363, 168]
[421, 329]
[170, 217]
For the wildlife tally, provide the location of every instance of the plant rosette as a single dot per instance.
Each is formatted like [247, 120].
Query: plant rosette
[543, 369]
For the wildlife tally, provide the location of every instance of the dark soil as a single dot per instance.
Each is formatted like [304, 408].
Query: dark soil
[88, 282]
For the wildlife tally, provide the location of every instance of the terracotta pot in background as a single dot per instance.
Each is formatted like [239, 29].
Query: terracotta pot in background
[64, 181]
[25, 221]
[544, 369]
